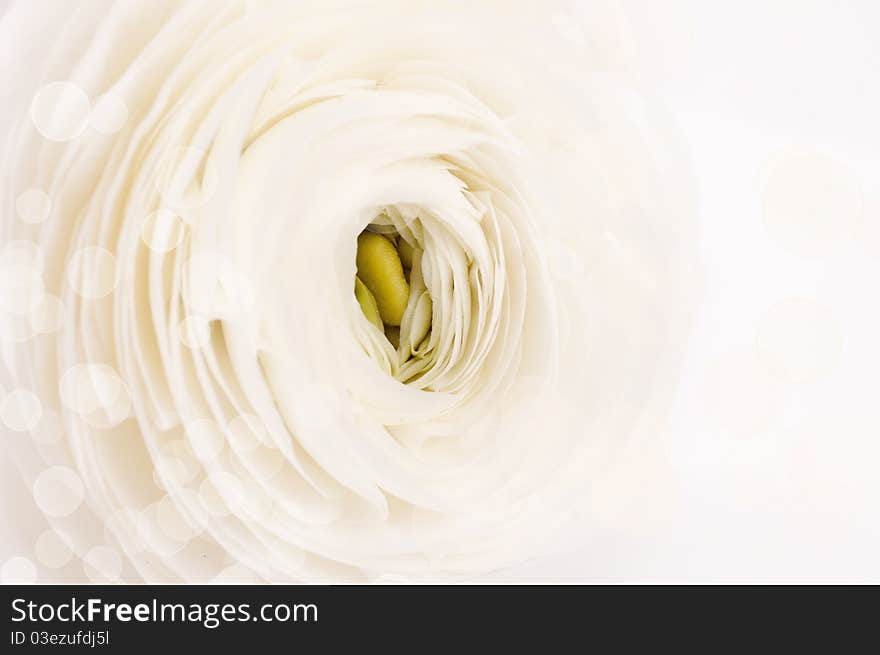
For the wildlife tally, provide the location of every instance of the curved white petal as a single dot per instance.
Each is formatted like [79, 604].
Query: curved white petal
[223, 398]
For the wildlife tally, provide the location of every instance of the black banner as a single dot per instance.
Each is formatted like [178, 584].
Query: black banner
[117, 618]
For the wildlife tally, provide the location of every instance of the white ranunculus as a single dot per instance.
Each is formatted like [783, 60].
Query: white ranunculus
[183, 186]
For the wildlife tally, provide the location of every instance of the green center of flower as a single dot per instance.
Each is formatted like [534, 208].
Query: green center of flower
[389, 296]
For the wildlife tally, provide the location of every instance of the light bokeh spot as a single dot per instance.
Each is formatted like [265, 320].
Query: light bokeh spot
[206, 439]
[33, 205]
[92, 272]
[60, 111]
[21, 410]
[21, 289]
[15, 328]
[799, 341]
[176, 465]
[58, 491]
[53, 549]
[246, 432]
[47, 315]
[163, 230]
[152, 536]
[102, 564]
[97, 393]
[22, 253]
[49, 429]
[256, 504]
[178, 523]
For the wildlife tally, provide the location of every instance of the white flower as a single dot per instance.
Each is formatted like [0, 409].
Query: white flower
[193, 183]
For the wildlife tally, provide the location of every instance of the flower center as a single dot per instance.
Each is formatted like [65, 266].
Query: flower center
[389, 289]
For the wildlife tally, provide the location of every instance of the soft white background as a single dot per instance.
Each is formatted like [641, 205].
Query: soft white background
[761, 478]
[768, 480]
